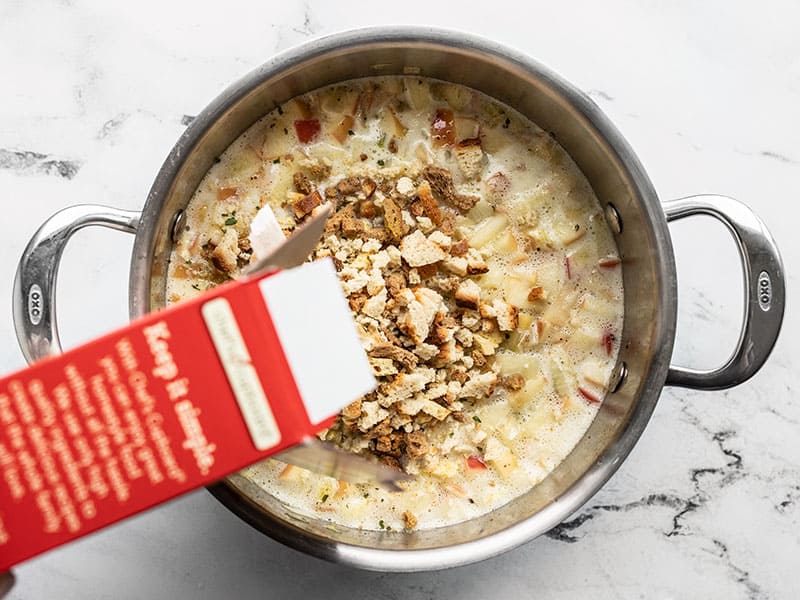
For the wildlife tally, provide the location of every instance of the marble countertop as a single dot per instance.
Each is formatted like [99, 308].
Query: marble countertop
[707, 505]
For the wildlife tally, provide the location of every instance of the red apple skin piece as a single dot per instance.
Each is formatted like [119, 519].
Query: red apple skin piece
[306, 129]
[588, 396]
[474, 462]
[608, 341]
[609, 262]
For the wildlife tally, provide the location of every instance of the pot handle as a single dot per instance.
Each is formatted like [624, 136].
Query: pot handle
[34, 299]
[764, 291]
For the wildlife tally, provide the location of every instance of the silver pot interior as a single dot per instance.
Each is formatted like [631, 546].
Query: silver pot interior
[612, 170]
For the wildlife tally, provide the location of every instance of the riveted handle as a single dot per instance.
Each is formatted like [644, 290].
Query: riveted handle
[764, 291]
[34, 298]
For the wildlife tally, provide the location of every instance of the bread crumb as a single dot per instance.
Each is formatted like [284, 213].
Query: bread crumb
[417, 250]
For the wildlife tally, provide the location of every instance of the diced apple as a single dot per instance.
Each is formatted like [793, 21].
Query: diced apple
[589, 395]
[342, 130]
[306, 129]
[500, 457]
[488, 230]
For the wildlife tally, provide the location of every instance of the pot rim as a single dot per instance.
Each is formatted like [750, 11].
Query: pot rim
[612, 456]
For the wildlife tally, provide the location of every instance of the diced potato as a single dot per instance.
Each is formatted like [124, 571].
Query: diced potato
[567, 233]
[392, 125]
[338, 100]
[517, 340]
[393, 86]
[594, 372]
[457, 96]
[488, 230]
[558, 313]
[493, 279]
[516, 291]
[507, 243]
[534, 388]
[583, 254]
[491, 112]
[281, 183]
[561, 373]
[542, 417]
[418, 94]
[598, 307]
[493, 415]
[525, 210]
[586, 338]
[445, 469]
[466, 128]
[543, 237]
[493, 141]
[551, 275]
[527, 365]
[480, 211]
[509, 430]
[342, 130]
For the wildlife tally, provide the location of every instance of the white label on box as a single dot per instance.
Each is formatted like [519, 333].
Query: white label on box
[312, 318]
[241, 373]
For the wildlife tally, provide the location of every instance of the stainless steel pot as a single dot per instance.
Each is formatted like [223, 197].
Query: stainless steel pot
[633, 210]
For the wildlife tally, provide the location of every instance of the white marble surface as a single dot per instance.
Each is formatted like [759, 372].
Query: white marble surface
[94, 94]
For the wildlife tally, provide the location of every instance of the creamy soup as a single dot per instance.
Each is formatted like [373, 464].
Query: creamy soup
[483, 279]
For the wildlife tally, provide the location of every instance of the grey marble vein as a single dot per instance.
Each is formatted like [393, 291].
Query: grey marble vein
[28, 161]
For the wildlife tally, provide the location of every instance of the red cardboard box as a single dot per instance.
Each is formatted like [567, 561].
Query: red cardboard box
[172, 402]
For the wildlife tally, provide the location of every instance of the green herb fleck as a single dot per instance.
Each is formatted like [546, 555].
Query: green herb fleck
[230, 221]
[381, 524]
[187, 261]
[382, 141]
[476, 418]
[324, 498]
[381, 162]
[276, 161]
[366, 494]
[350, 132]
